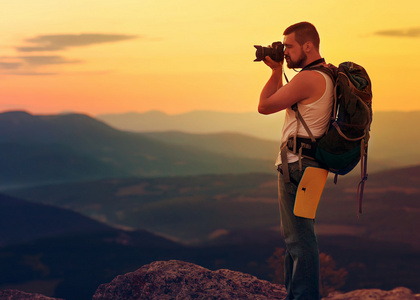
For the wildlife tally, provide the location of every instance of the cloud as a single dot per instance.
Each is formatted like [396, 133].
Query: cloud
[32, 65]
[16, 62]
[63, 41]
[10, 65]
[48, 60]
[19, 73]
[29, 65]
[408, 32]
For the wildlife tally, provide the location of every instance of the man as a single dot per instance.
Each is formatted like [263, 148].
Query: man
[312, 92]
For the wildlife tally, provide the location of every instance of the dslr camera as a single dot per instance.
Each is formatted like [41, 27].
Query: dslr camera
[275, 52]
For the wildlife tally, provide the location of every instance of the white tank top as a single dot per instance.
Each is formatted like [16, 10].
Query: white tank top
[316, 115]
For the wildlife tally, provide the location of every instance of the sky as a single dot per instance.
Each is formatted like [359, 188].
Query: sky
[176, 56]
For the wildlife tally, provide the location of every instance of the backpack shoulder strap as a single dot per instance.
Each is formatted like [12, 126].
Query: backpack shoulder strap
[328, 69]
[332, 72]
[301, 120]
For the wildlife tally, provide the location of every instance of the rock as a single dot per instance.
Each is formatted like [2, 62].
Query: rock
[181, 280]
[18, 295]
[400, 293]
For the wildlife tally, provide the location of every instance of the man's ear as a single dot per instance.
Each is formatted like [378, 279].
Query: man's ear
[308, 47]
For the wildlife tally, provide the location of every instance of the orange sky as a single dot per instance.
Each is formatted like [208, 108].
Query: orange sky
[175, 56]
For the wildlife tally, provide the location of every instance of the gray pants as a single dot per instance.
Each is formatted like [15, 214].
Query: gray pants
[302, 256]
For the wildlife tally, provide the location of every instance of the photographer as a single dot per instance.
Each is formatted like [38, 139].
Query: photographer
[312, 93]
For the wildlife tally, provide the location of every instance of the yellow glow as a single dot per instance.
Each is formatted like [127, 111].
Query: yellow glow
[192, 55]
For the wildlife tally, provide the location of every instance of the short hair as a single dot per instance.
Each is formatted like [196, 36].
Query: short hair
[304, 32]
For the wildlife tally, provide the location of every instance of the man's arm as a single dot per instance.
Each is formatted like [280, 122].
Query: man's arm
[305, 86]
[274, 83]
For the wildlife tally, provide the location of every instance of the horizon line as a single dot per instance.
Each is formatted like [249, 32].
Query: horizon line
[65, 112]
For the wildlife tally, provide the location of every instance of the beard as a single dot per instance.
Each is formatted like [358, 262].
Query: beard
[297, 63]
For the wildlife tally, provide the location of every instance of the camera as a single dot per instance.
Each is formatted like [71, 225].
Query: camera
[275, 52]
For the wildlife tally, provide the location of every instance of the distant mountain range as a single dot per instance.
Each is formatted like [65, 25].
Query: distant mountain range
[394, 135]
[42, 149]
[73, 147]
[199, 122]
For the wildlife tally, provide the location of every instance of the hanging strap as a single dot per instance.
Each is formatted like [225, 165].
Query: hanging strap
[284, 168]
[284, 164]
[363, 176]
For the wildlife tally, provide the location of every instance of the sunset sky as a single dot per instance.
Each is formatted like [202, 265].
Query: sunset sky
[108, 56]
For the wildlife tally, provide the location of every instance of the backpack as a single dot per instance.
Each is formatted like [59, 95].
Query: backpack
[345, 142]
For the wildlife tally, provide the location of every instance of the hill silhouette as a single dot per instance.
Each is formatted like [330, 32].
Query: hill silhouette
[22, 221]
[51, 250]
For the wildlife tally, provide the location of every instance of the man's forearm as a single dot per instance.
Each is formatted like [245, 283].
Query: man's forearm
[274, 83]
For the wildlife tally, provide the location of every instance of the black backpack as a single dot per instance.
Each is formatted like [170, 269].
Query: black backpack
[345, 143]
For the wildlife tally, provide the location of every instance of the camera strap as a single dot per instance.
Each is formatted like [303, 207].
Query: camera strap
[314, 63]
[285, 76]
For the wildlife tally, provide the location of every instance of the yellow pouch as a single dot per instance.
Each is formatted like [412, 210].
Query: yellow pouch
[309, 192]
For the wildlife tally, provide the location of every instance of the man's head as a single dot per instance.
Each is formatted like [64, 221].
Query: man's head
[301, 43]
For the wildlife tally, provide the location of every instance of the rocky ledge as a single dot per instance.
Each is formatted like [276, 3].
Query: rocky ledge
[181, 280]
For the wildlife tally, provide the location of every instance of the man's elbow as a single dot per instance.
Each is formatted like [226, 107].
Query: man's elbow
[262, 110]
[265, 109]
[262, 107]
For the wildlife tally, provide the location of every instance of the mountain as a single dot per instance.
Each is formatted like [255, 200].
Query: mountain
[391, 210]
[229, 220]
[37, 149]
[249, 123]
[395, 137]
[42, 149]
[72, 266]
[241, 145]
[393, 143]
[54, 250]
[234, 216]
[207, 208]
[22, 221]
[169, 205]
[234, 144]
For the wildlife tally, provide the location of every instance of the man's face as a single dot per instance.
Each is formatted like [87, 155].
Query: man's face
[293, 52]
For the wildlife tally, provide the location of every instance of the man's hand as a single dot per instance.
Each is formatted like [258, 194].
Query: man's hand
[274, 65]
